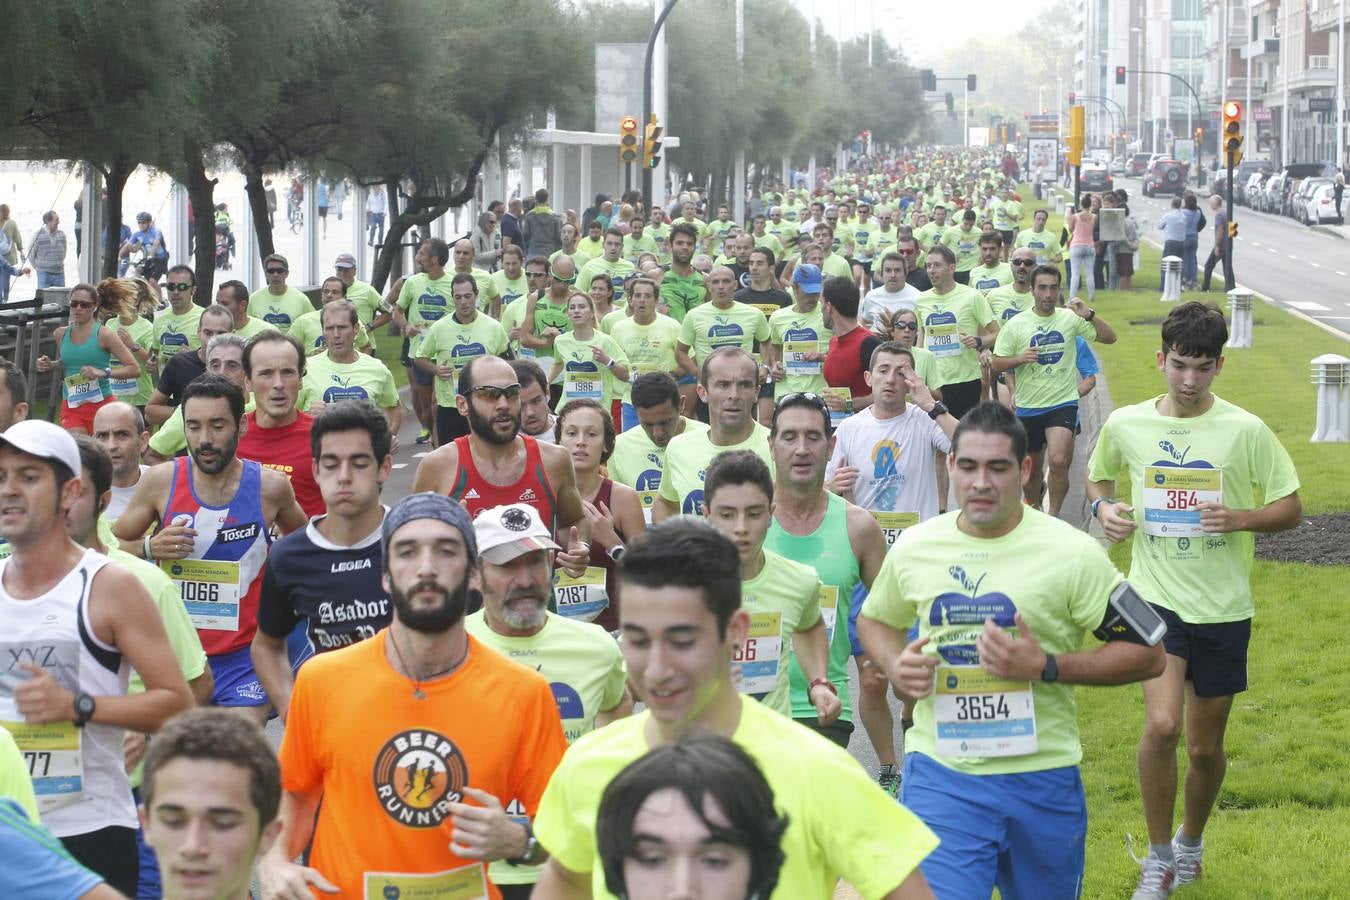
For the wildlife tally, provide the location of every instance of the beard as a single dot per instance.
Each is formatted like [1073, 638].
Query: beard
[224, 457]
[521, 615]
[482, 426]
[431, 620]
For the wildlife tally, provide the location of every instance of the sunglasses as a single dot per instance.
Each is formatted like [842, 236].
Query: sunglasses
[82, 304]
[905, 326]
[800, 397]
[1021, 262]
[178, 286]
[536, 274]
[277, 271]
[493, 393]
[561, 280]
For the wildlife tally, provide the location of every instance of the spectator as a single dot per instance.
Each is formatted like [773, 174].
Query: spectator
[11, 248]
[1173, 226]
[593, 212]
[377, 204]
[541, 228]
[47, 253]
[486, 242]
[1195, 223]
[271, 194]
[510, 223]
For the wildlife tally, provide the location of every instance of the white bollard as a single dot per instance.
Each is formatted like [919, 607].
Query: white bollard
[1240, 328]
[1331, 374]
[1059, 204]
[1171, 279]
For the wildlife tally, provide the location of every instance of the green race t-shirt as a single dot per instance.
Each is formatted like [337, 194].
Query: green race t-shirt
[795, 333]
[705, 328]
[136, 391]
[650, 348]
[985, 278]
[660, 235]
[783, 598]
[583, 377]
[1202, 577]
[252, 327]
[716, 234]
[1044, 243]
[367, 378]
[548, 314]
[308, 330]
[618, 271]
[1006, 302]
[1052, 380]
[508, 289]
[944, 318]
[170, 439]
[682, 293]
[176, 332]
[639, 463]
[835, 266]
[952, 583]
[366, 298]
[687, 458]
[965, 243]
[425, 301]
[635, 247]
[450, 343]
[280, 311]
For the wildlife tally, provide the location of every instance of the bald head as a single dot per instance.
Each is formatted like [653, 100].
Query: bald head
[721, 283]
[120, 429]
[463, 256]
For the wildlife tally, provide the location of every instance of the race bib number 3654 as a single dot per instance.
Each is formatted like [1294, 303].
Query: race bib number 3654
[978, 715]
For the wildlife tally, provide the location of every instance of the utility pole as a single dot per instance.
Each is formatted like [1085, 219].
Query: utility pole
[738, 180]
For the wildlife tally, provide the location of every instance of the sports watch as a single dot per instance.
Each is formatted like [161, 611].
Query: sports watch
[84, 709]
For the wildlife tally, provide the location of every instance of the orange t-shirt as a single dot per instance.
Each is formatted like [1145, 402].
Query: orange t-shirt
[389, 764]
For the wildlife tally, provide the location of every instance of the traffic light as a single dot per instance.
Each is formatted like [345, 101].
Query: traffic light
[1073, 98]
[1120, 74]
[970, 83]
[1232, 132]
[928, 79]
[652, 145]
[1077, 134]
[1232, 230]
[951, 106]
[628, 139]
[1199, 136]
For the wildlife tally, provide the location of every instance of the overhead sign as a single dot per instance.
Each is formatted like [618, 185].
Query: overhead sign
[1321, 104]
[1043, 124]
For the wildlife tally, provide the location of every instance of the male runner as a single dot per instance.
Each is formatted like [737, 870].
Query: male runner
[73, 626]
[1041, 242]
[233, 295]
[536, 418]
[683, 287]
[582, 663]
[990, 273]
[963, 241]
[278, 304]
[176, 327]
[1196, 465]
[639, 457]
[721, 322]
[648, 338]
[308, 329]
[181, 368]
[958, 328]
[408, 797]
[509, 281]
[992, 760]
[423, 300]
[728, 384]
[638, 242]
[682, 626]
[1010, 299]
[328, 575]
[224, 356]
[494, 464]
[448, 346]
[763, 292]
[850, 348]
[363, 294]
[490, 300]
[276, 432]
[120, 430]
[546, 311]
[212, 787]
[215, 512]
[338, 372]
[1040, 347]
[611, 263]
[893, 294]
[800, 339]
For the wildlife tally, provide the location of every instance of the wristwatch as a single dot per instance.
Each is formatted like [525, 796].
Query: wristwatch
[1050, 673]
[1092, 508]
[1092, 314]
[84, 709]
[531, 848]
[107, 371]
[939, 409]
[617, 551]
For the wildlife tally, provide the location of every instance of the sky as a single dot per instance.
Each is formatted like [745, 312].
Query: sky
[907, 22]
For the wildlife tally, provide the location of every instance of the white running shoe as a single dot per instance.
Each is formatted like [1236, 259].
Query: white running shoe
[1189, 860]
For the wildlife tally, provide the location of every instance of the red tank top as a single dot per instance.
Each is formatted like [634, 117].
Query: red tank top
[609, 619]
[532, 487]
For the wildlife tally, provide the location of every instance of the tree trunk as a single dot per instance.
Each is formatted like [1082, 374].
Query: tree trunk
[257, 207]
[115, 182]
[201, 194]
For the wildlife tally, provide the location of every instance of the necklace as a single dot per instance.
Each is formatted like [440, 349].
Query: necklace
[416, 677]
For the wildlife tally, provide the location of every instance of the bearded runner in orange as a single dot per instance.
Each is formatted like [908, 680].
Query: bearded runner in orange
[413, 785]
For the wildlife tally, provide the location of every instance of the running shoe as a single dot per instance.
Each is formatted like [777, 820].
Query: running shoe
[1157, 880]
[1189, 860]
[423, 436]
[889, 779]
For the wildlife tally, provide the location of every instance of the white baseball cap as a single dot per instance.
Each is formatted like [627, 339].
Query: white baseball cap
[505, 532]
[42, 439]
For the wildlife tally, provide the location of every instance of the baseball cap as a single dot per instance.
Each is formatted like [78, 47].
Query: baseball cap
[808, 276]
[345, 261]
[142, 217]
[42, 439]
[425, 505]
[505, 532]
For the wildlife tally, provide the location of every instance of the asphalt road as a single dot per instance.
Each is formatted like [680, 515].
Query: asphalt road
[1302, 269]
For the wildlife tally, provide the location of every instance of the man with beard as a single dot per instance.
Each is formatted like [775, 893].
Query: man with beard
[215, 513]
[494, 464]
[582, 663]
[414, 787]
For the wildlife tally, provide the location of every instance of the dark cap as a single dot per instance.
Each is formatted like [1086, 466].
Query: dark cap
[427, 505]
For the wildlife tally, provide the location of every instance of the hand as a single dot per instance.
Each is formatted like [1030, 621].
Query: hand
[602, 524]
[1116, 525]
[126, 337]
[834, 402]
[550, 332]
[914, 670]
[1078, 305]
[1004, 656]
[842, 481]
[573, 560]
[89, 373]
[410, 330]
[173, 542]
[1028, 356]
[485, 831]
[44, 363]
[514, 334]
[281, 879]
[41, 699]
[777, 373]
[923, 397]
[133, 749]
[987, 358]
[826, 703]
[446, 372]
[393, 443]
[968, 340]
[1215, 518]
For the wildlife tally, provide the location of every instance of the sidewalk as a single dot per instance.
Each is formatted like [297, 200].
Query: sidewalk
[1337, 231]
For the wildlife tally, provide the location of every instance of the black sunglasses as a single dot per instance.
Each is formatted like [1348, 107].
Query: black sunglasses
[276, 271]
[178, 285]
[493, 393]
[1021, 262]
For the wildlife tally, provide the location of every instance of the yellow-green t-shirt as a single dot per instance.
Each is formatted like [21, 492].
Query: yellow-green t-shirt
[618, 271]
[254, 326]
[660, 235]
[839, 823]
[650, 348]
[308, 330]
[985, 278]
[586, 672]
[785, 593]
[425, 301]
[171, 440]
[1005, 303]
[366, 298]
[639, 463]
[944, 318]
[509, 289]
[715, 233]
[367, 378]
[136, 391]
[1202, 578]
[635, 247]
[583, 376]
[451, 343]
[952, 582]
[578, 257]
[793, 332]
[280, 311]
[15, 782]
[687, 459]
[965, 244]
[1052, 380]
[835, 266]
[487, 288]
[1045, 244]
[706, 328]
[175, 333]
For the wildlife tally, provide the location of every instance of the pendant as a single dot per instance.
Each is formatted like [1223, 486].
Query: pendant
[418, 694]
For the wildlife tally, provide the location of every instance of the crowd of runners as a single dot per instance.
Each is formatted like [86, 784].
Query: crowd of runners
[687, 482]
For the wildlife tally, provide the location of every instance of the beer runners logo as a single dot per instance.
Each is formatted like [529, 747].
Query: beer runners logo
[418, 774]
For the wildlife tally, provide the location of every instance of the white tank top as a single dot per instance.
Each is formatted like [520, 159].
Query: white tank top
[78, 773]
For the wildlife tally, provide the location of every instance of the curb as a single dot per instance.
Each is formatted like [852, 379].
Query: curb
[1329, 230]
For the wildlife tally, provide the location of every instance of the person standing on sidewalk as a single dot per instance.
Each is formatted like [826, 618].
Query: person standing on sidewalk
[1220, 252]
[11, 250]
[47, 252]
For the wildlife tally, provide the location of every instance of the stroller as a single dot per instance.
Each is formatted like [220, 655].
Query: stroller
[224, 245]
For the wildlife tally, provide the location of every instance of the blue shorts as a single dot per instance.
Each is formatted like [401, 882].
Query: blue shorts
[855, 603]
[236, 682]
[148, 883]
[418, 376]
[1024, 834]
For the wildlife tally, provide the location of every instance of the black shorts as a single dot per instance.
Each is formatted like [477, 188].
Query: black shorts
[418, 376]
[108, 852]
[839, 731]
[1215, 652]
[961, 397]
[449, 425]
[963, 277]
[1061, 417]
[866, 265]
[1008, 237]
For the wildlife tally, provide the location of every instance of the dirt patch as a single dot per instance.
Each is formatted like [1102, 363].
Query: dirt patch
[1319, 540]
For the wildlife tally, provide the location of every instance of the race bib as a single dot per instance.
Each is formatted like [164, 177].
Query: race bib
[978, 715]
[892, 523]
[52, 753]
[1172, 498]
[837, 416]
[124, 387]
[583, 598]
[210, 591]
[581, 386]
[466, 883]
[943, 339]
[80, 390]
[795, 361]
[758, 659]
[648, 499]
[829, 607]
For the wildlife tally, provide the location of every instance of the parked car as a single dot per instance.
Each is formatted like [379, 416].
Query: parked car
[1321, 205]
[1138, 164]
[1094, 177]
[1280, 198]
[1240, 176]
[1303, 195]
[1166, 176]
[1249, 193]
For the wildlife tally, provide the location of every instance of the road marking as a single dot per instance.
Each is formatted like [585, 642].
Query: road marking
[1254, 243]
[1271, 250]
[1292, 256]
[400, 466]
[1339, 272]
[420, 455]
[1316, 265]
[1307, 306]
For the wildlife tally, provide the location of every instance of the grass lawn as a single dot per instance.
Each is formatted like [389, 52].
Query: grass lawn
[1283, 816]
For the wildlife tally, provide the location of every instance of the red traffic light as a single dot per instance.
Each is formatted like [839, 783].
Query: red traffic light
[1232, 109]
[1120, 74]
